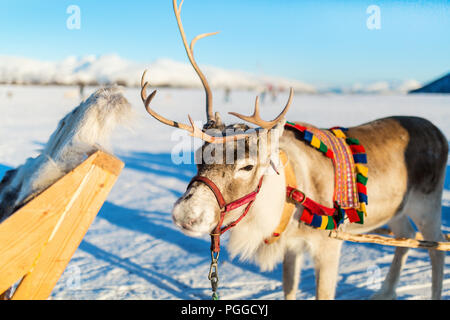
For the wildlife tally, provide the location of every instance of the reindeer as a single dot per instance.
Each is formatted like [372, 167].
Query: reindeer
[407, 158]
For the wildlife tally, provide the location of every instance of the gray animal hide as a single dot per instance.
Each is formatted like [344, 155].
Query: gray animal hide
[80, 133]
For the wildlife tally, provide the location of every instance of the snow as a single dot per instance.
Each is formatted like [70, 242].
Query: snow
[134, 251]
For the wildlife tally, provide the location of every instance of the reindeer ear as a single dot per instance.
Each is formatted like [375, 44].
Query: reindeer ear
[278, 129]
[274, 134]
[215, 124]
[218, 119]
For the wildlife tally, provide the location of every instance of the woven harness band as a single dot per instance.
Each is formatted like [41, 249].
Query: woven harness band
[225, 208]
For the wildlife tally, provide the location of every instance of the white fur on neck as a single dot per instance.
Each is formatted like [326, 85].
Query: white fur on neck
[247, 238]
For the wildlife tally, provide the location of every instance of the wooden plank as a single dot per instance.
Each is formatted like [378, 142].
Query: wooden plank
[388, 232]
[69, 232]
[25, 232]
[108, 163]
[396, 242]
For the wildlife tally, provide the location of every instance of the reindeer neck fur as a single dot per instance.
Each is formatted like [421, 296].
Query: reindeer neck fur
[248, 236]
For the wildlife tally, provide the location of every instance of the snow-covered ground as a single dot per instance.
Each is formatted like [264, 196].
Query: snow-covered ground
[133, 250]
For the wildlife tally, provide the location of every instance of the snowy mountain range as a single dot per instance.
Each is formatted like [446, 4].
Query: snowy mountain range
[108, 69]
[113, 69]
[378, 87]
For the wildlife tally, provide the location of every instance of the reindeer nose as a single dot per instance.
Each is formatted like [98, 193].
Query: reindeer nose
[188, 223]
[192, 218]
[185, 223]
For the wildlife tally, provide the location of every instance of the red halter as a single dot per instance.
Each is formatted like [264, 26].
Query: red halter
[226, 207]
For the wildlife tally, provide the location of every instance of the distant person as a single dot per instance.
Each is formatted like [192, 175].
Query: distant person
[81, 86]
[227, 94]
[262, 95]
[272, 91]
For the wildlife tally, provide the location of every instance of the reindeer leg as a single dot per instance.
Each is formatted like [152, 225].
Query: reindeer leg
[291, 273]
[429, 224]
[326, 260]
[402, 228]
[437, 268]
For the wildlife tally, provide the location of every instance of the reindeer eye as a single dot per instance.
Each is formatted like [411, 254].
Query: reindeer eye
[247, 168]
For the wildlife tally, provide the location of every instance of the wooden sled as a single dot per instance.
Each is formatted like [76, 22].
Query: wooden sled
[38, 241]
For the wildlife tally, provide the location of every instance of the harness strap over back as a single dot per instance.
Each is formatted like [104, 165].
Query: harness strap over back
[315, 214]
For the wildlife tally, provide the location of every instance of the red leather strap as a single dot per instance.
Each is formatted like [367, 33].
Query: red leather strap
[213, 187]
[247, 199]
[314, 207]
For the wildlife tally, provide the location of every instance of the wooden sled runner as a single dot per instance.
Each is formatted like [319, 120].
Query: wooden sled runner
[38, 241]
[418, 242]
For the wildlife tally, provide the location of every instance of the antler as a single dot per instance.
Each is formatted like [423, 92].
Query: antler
[193, 130]
[256, 118]
[146, 100]
[190, 54]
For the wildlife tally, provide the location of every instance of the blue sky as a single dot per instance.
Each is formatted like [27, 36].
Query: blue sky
[319, 42]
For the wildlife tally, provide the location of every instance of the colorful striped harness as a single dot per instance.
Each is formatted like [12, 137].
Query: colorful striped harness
[350, 193]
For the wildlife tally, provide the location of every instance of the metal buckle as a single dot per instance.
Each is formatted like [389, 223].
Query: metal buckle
[296, 190]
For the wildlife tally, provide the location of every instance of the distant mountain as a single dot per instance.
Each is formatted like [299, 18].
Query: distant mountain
[378, 87]
[441, 85]
[112, 69]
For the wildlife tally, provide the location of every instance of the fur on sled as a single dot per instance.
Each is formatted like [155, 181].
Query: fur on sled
[84, 130]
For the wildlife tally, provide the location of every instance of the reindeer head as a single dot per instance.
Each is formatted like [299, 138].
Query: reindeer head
[234, 158]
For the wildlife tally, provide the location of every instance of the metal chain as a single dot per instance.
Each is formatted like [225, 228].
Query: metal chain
[214, 275]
